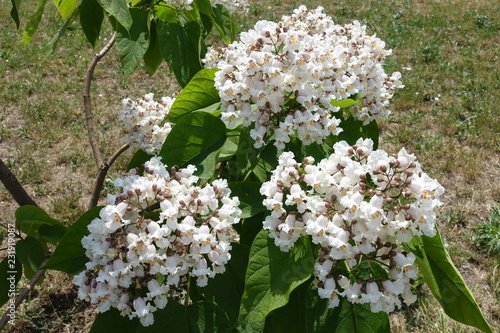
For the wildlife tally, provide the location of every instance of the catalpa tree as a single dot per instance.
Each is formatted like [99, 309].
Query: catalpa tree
[257, 199]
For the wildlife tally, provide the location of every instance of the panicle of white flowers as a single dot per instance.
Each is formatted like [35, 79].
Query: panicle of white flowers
[183, 4]
[161, 228]
[358, 204]
[143, 119]
[282, 77]
[233, 6]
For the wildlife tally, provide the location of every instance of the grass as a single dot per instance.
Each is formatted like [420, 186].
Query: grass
[487, 233]
[447, 115]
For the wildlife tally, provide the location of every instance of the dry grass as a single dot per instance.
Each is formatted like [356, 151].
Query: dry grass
[448, 115]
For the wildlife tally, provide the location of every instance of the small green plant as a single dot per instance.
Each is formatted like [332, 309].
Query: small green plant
[487, 233]
[455, 217]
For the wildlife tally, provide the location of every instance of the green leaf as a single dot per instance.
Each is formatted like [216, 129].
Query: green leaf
[271, 276]
[446, 283]
[369, 269]
[91, 17]
[198, 93]
[52, 232]
[119, 10]
[200, 317]
[245, 155]
[112, 322]
[345, 318]
[69, 255]
[30, 218]
[193, 14]
[226, 289]
[166, 14]
[65, 7]
[291, 317]
[133, 42]
[30, 253]
[250, 197]
[193, 139]
[230, 147]
[180, 46]
[140, 157]
[152, 57]
[11, 271]
[372, 131]
[212, 109]
[206, 25]
[206, 161]
[266, 161]
[224, 23]
[315, 150]
[33, 22]
[344, 103]
[354, 129]
[14, 12]
[249, 228]
[51, 46]
[251, 163]
[204, 6]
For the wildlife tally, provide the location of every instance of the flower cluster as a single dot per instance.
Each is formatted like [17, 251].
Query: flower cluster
[231, 5]
[283, 76]
[143, 119]
[359, 205]
[161, 228]
[186, 4]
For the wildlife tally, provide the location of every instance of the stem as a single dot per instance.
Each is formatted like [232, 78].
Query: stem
[14, 187]
[103, 170]
[22, 198]
[347, 266]
[87, 100]
[102, 167]
[186, 300]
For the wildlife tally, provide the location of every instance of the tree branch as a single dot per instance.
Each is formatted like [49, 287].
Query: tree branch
[22, 198]
[14, 187]
[103, 170]
[87, 101]
[25, 292]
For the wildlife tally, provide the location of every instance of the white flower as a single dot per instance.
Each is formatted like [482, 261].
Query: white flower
[358, 204]
[130, 247]
[282, 77]
[233, 6]
[143, 119]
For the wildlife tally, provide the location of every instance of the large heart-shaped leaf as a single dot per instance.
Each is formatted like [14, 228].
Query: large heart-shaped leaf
[271, 276]
[197, 94]
[195, 139]
[445, 282]
[69, 255]
[345, 318]
[133, 42]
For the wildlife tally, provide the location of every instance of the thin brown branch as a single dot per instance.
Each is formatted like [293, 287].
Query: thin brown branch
[103, 170]
[87, 100]
[25, 292]
[14, 187]
[22, 198]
